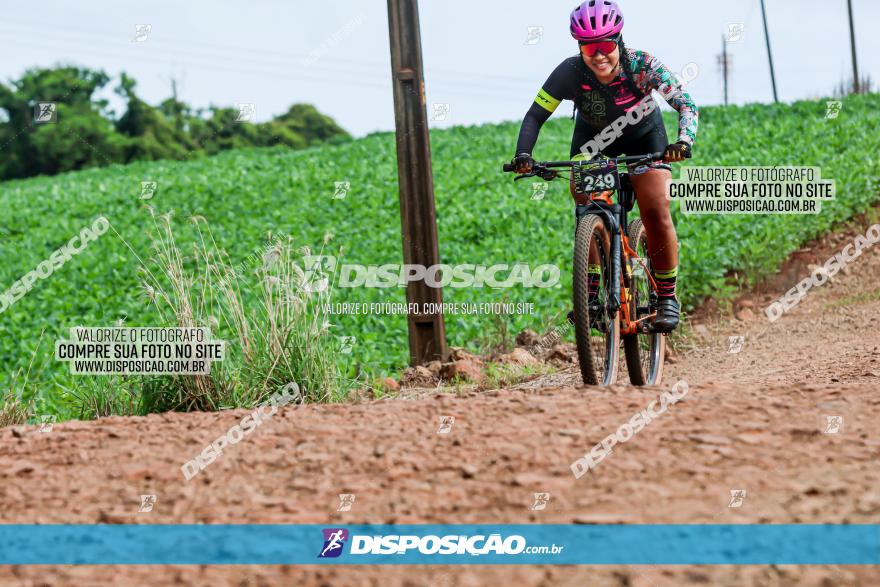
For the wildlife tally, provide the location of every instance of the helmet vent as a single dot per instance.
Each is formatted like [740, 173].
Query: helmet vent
[596, 19]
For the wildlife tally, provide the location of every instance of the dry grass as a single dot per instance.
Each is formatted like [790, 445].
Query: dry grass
[268, 310]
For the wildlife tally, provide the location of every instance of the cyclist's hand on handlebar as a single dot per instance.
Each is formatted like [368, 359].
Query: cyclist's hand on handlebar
[677, 152]
[523, 163]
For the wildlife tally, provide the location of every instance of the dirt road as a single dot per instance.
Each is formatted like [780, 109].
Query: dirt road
[754, 420]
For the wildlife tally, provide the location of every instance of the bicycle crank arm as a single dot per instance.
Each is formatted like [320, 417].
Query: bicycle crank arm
[646, 324]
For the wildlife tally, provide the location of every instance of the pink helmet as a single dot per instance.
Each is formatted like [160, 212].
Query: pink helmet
[596, 19]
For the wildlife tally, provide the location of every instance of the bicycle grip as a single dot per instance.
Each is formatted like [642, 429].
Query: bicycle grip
[508, 167]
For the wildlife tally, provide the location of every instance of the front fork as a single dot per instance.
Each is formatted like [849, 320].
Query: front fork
[612, 215]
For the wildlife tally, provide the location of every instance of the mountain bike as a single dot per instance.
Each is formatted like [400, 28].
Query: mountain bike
[624, 302]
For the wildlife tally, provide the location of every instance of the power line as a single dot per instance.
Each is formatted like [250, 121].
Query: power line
[360, 78]
[437, 86]
[346, 65]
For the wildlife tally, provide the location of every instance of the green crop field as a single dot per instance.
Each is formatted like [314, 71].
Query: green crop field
[483, 218]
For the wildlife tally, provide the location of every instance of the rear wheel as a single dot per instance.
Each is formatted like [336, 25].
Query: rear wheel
[597, 333]
[644, 351]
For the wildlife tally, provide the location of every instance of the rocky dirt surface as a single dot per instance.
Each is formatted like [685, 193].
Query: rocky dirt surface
[755, 419]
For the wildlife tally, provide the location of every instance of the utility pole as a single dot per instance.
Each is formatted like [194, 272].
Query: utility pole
[852, 41]
[427, 332]
[769, 54]
[724, 62]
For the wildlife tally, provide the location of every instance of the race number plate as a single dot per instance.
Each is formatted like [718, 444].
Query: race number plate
[599, 179]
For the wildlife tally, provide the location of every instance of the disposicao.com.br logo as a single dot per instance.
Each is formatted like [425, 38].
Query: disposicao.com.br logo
[452, 544]
[320, 269]
[334, 541]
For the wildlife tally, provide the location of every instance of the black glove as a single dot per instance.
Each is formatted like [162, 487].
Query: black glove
[523, 162]
[677, 152]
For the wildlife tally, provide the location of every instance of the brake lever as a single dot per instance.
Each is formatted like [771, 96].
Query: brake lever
[545, 174]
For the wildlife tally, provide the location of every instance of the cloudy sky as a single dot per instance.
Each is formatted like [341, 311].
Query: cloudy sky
[478, 56]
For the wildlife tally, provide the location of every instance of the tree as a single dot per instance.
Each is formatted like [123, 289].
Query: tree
[305, 120]
[151, 135]
[87, 134]
[81, 135]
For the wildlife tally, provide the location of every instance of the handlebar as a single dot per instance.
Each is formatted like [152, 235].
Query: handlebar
[508, 167]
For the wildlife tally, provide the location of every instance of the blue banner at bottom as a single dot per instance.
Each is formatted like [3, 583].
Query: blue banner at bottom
[432, 544]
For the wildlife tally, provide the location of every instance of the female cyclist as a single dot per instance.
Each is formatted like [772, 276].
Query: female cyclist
[606, 81]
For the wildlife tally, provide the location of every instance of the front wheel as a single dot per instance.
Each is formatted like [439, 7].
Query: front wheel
[644, 351]
[597, 331]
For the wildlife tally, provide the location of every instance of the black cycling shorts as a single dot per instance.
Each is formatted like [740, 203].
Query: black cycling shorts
[651, 138]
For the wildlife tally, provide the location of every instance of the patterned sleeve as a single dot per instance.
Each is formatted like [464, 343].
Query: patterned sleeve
[651, 74]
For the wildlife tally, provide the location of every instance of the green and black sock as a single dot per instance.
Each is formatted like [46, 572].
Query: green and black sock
[665, 279]
[594, 276]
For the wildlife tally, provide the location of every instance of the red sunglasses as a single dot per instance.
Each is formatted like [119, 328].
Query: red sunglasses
[605, 47]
